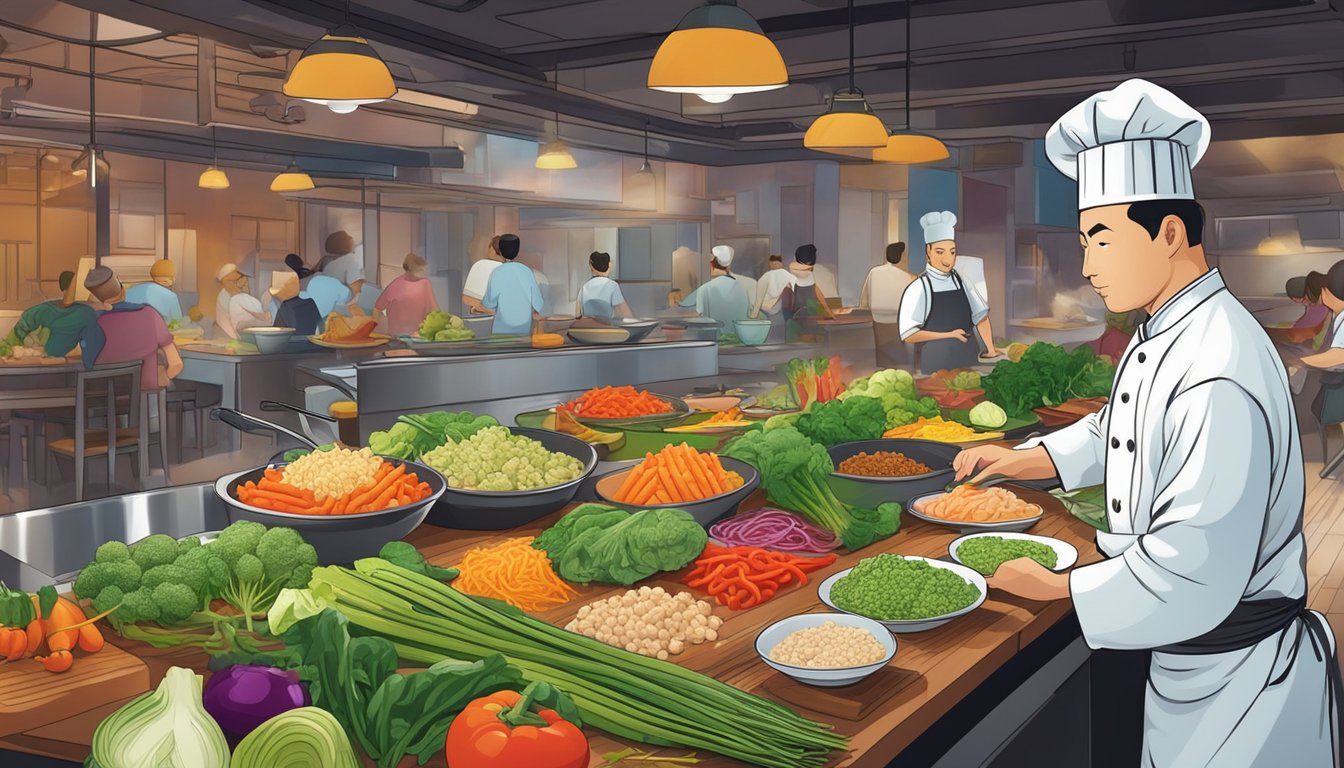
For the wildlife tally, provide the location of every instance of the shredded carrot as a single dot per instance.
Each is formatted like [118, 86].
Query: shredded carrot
[676, 475]
[743, 577]
[390, 487]
[514, 572]
[616, 403]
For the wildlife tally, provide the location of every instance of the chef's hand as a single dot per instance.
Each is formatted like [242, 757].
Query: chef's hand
[981, 462]
[1027, 578]
[957, 335]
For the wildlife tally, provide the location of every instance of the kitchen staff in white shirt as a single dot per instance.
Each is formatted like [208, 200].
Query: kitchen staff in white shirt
[769, 290]
[1201, 459]
[236, 309]
[940, 311]
[601, 296]
[881, 294]
[478, 279]
[346, 265]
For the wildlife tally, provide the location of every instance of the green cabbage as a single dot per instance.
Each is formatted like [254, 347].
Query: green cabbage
[306, 737]
[167, 727]
[988, 416]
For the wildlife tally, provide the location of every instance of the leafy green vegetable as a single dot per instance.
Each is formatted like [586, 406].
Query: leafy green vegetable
[843, 421]
[438, 321]
[1047, 376]
[782, 420]
[414, 435]
[796, 475]
[408, 557]
[1087, 504]
[987, 415]
[780, 398]
[965, 380]
[306, 737]
[898, 394]
[612, 546]
[166, 727]
[386, 713]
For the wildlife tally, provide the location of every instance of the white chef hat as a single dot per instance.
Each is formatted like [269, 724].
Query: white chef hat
[938, 225]
[723, 254]
[1136, 142]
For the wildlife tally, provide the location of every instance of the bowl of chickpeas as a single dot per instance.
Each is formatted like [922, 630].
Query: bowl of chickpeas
[338, 537]
[828, 650]
[872, 472]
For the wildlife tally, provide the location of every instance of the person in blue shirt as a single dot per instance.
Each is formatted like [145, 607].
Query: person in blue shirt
[601, 297]
[512, 292]
[158, 292]
[723, 298]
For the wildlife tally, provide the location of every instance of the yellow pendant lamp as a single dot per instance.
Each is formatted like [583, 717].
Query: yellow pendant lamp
[717, 51]
[850, 123]
[213, 177]
[292, 180]
[554, 155]
[341, 71]
[907, 146]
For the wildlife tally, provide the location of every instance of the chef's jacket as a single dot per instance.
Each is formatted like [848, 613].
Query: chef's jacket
[915, 301]
[514, 295]
[883, 290]
[1201, 459]
[770, 288]
[723, 299]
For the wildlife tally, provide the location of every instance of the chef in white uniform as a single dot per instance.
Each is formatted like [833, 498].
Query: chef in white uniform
[1201, 459]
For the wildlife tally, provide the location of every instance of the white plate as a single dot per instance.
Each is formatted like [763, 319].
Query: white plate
[1065, 553]
[772, 635]
[1011, 525]
[900, 626]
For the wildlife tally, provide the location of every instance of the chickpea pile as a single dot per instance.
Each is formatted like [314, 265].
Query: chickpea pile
[332, 473]
[648, 621]
[828, 646]
[883, 464]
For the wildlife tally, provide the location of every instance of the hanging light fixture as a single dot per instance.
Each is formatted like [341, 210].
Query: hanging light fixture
[292, 180]
[907, 146]
[554, 155]
[718, 50]
[850, 123]
[341, 71]
[645, 169]
[91, 164]
[213, 177]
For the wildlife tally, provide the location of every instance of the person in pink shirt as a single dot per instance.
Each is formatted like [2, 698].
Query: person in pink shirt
[407, 299]
[134, 332]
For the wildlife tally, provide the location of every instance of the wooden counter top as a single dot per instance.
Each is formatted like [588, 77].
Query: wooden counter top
[931, 673]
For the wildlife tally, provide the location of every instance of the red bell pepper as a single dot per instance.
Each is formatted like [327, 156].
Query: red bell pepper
[505, 730]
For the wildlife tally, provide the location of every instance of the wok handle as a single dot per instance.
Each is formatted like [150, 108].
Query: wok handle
[254, 426]
[274, 406]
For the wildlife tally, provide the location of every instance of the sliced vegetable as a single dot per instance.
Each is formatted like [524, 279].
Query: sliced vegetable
[306, 737]
[508, 730]
[744, 577]
[616, 403]
[675, 475]
[166, 727]
[773, 529]
[242, 697]
[515, 572]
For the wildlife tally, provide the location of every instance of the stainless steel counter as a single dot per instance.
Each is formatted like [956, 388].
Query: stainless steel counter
[388, 387]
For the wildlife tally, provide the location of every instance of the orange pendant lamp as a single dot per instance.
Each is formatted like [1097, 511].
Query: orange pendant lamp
[716, 52]
[341, 71]
[909, 147]
[850, 123]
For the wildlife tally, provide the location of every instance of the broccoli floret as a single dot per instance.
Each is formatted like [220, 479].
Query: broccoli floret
[97, 576]
[288, 559]
[250, 591]
[111, 552]
[844, 421]
[163, 574]
[155, 550]
[108, 599]
[204, 572]
[138, 606]
[176, 602]
[237, 540]
[187, 544]
[249, 570]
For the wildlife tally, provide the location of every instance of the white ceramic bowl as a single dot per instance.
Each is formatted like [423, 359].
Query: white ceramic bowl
[1065, 553]
[901, 626]
[772, 635]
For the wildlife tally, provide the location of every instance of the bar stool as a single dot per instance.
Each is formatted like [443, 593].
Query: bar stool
[112, 440]
[197, 399]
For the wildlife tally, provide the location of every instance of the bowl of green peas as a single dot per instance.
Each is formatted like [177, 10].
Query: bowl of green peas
[985, 552]
[905, 593]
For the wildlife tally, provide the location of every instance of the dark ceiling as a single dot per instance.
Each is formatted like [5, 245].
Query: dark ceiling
[982, 69]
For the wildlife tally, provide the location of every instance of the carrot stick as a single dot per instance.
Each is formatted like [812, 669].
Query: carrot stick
[632, 481]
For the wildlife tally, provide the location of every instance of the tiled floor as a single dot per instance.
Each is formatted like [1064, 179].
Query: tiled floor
[1323, 524]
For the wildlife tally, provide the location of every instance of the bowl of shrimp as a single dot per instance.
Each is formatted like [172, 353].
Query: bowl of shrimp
[972, 509]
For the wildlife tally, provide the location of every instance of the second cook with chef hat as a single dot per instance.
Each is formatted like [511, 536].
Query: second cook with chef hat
[941, 312]
[722, 298]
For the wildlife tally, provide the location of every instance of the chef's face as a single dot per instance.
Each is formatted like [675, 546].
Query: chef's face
[942, 255]
[1127, 266]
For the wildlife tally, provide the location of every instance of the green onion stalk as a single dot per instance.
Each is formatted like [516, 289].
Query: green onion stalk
[622, 693]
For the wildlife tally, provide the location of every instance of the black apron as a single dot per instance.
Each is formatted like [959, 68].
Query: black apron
[948, 311]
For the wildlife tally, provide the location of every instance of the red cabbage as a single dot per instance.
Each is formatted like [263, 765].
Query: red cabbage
[244, 696]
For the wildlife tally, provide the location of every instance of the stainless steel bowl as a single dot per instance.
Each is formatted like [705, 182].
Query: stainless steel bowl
[705, 511]
[270, 340]
[337, 538]
[868, 492]
[500, 510]
[639, 327]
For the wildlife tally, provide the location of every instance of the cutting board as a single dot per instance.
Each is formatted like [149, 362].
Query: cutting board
[31, 697]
